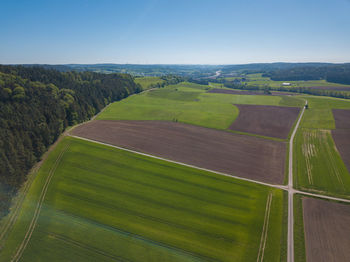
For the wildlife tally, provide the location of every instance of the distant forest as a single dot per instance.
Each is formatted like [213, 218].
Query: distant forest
[331, 73]
[37, 104]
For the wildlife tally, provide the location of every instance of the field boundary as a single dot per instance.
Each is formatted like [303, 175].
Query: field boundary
[35, 218]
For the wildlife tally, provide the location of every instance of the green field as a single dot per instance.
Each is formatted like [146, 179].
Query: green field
[105, 204]
[259, 80]
[318, 164]
[319, 115]
[189, 103]
[148, 81]
[299, 236]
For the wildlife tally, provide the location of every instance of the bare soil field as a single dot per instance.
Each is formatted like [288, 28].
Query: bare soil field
[342, 118]
[327, 230]
[273, 121]
[245, 92]
[240, 155]
[341, 135]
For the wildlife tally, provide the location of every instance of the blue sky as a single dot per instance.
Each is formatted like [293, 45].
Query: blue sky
[174, 31]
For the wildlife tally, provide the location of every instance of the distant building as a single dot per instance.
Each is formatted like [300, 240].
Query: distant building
[286, 84]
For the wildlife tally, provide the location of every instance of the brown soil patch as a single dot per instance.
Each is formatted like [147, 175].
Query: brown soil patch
[342, 118]
[327, 230]
[341, 135]
[245, 92]
[273, 121]
[240, 155]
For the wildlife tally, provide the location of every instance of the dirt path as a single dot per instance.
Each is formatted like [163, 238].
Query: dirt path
[290, 239]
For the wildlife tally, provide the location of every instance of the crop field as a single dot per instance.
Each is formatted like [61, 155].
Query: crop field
[299, 234]
[319, 115]
[318, 163]
[274, 121]
[189, 103]
[326, 230]
[148, 81]
[98, 203]
[240, 155]
[245, 92]
[259, 80]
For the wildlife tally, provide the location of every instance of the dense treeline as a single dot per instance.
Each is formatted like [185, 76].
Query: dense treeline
[331, 73]
[36, 105]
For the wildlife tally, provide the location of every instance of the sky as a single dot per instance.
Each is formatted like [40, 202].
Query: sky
[174, 31]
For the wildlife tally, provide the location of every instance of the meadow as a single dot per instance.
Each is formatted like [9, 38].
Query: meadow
[105, 204]
[189, 103]
[148, 81]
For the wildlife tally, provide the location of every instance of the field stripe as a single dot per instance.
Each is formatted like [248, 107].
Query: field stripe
[32, 224]
[84, 246]
[263, 239]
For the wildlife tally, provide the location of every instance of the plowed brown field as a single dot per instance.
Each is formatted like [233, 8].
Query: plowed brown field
[273, 121]
[341, 134]
[327, 230]
[240, 155]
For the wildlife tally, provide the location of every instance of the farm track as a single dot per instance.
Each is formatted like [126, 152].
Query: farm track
[14, 215]
[34, 220]
[265, 229]
[290, 234]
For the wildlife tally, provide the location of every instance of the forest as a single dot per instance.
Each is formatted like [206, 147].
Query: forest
[37, 105]
[332, 73]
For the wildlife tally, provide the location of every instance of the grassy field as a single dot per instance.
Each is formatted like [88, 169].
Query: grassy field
[188, 103]
[319, 115]
[148, 81]
[259, 80]
[104, 204]
[318, 164]
[299, 236]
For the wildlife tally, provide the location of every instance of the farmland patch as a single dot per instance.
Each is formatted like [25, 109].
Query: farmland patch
[240, 155]
[106, 204]
[273, 121]
[341, 134]
[246, 92]
[326, 230]
[319, 165]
